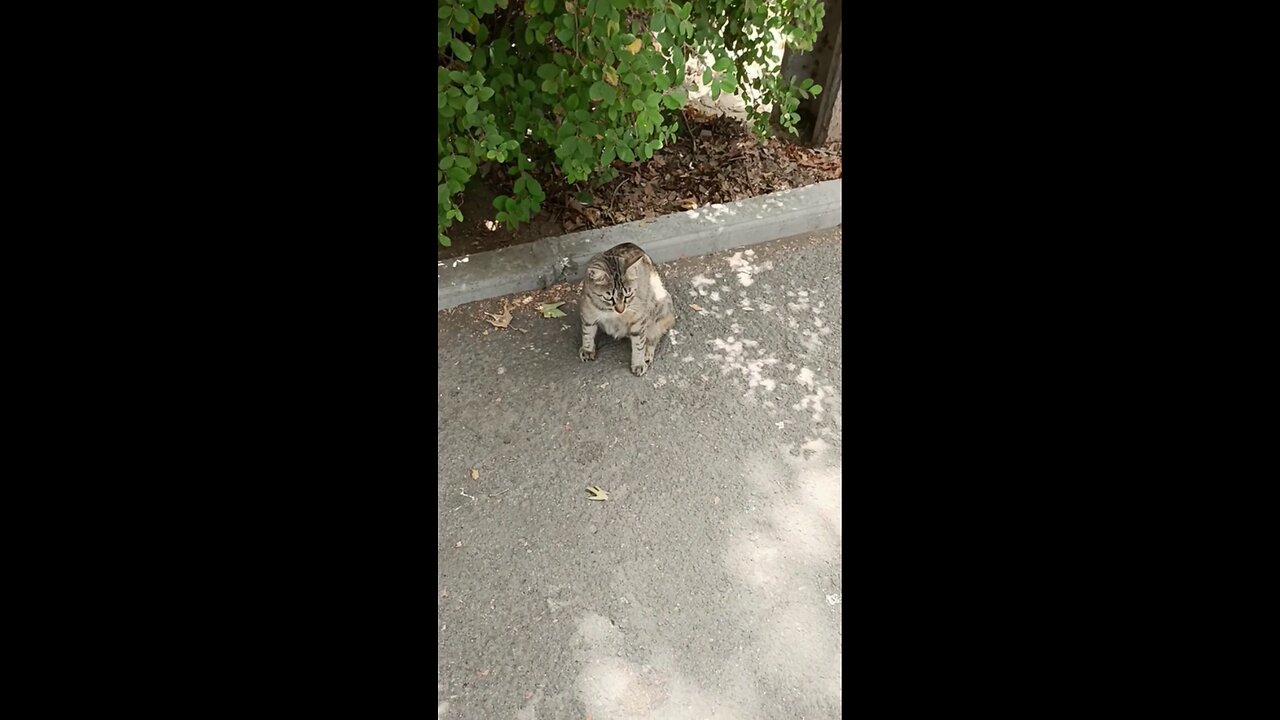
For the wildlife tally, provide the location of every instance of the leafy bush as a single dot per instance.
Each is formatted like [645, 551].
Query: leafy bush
[581, 85]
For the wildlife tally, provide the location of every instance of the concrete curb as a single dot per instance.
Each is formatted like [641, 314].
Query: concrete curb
[536, 265]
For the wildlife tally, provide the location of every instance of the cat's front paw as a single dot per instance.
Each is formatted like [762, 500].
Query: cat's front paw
[640, 369]
[585, 354]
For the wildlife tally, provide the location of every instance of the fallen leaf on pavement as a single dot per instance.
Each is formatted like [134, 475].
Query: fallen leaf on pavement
[475, 474]
[551, 310]
[695, 306]
[597, 493]
[527, 300]
[526, 332]
[503, 320]
[688, 203]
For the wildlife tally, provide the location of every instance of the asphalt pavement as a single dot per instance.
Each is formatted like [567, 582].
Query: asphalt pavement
[708, 585]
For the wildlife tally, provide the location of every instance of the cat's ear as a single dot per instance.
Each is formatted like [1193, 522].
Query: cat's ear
[596, 275]
[633, 271]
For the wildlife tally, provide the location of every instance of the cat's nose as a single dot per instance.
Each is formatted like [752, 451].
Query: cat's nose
[619, 308]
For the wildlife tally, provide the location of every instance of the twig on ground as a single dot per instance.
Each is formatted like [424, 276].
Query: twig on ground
[689, 130]
[615, 192]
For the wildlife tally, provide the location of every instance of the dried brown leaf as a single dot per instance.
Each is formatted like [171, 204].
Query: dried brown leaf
[502, 320]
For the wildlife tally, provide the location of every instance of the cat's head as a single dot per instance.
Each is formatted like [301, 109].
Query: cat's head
[613, 286]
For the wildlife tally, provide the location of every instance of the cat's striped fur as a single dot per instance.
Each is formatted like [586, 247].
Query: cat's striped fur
[623, 295]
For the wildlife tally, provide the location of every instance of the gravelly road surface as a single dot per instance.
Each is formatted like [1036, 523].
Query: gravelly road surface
[708, 585]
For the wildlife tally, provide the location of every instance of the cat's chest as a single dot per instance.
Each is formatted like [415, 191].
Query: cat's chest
[620, 324]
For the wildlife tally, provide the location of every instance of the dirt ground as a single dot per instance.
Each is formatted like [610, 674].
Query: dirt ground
[714, 159]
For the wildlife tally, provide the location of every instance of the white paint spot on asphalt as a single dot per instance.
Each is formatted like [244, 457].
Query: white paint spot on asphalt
[780, 423]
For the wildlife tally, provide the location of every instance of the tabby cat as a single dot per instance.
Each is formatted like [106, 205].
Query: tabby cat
[623, 295]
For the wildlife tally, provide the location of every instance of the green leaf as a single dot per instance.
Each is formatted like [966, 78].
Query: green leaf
[671, 102]
[723, 64]
[486, 93]
[625, 154]
[546, 71]
[485, 6]
[806, 83]
[706, 76]
[600, 91]
[461, 50]
[443, 240]
[551, 310]
[461, 16]
[815, 89]
[653, 100]
[585, 197]
[472, 104]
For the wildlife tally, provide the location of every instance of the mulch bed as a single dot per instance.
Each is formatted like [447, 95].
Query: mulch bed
[714, 159]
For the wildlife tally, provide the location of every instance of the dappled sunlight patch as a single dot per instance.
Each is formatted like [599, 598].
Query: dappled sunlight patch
[610, 685]
[785, 562]
[741, 263]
